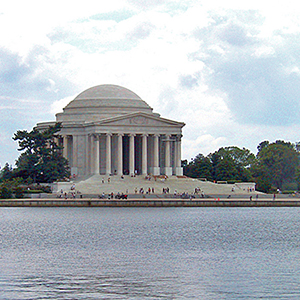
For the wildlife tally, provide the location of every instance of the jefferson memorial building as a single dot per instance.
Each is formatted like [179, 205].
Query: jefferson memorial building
[109, 130]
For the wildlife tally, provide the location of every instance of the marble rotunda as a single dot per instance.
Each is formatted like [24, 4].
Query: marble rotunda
[109, 130]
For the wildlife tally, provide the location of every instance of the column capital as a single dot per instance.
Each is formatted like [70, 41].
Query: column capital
[167, 138]
[96, 136]
[144, 134]
[108, 134]
[120, 134]
[132, 134]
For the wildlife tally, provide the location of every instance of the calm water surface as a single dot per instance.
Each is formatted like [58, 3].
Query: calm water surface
[149, 253]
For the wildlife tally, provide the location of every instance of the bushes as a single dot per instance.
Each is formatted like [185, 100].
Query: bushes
[46, 189]
[5, 192]
[17, 189]
[38, 188]
[19, 192]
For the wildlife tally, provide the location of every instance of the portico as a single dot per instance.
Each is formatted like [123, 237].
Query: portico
[109, 130]
[144, 156]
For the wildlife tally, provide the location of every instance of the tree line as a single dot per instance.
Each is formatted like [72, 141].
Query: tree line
[40, 161]
[275, 166]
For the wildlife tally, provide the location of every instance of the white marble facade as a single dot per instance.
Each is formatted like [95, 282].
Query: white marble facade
[109, 130]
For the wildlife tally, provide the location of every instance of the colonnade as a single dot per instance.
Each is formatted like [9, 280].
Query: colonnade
[124, 154]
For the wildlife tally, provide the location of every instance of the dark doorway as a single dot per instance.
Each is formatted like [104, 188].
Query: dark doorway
[126, 155]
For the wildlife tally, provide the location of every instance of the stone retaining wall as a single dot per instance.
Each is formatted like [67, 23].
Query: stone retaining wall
[147, 203]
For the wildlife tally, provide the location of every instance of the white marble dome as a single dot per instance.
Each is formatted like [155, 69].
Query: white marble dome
[107, 91]
[101, 102]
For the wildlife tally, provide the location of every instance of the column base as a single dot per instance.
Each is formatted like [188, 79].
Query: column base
[156, 171]
[179, 171]
[168, 171]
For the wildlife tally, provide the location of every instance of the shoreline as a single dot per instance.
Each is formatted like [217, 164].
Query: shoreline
[140, 202]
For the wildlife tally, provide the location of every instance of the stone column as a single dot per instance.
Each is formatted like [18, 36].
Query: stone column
[144, 154]
[65, 145]
[174, 166]
[91, 154]
[179, 169]
[108, 154]
[156, 168]
[97, 155]
[74, 163]
[131, 154]
[120, 154]
[92, 151]
[75, 150]
[87, 154]
[168, 169]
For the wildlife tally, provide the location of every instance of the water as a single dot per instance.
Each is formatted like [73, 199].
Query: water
[149, 253]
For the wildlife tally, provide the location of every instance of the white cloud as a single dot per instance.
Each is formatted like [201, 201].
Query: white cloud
[58, 105]
[264, 51]
[204, 144]
[228, 69]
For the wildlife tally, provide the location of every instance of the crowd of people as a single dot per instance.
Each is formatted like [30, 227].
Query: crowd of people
[73, 193]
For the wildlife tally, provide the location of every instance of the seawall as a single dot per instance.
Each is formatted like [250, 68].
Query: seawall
[147, 203]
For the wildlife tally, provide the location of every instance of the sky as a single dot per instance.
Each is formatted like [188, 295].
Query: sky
[230, 70]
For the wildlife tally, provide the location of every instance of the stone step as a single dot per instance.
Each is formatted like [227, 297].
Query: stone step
[98, 184]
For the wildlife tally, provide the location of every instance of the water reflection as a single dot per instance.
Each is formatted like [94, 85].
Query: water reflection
[149, 253]
[86, 287]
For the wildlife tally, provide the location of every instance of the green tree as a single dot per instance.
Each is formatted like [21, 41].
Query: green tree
[277, 164]
[6, 173]
[297, 177]
[229, 163]
[41, 158]
[232, 163]
[5, 192]
[199, 167]
[262, 145]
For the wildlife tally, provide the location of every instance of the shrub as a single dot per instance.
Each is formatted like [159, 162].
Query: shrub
[19, 192]
[5, 192]
[288, 192]
[46, 189]
[33, 191]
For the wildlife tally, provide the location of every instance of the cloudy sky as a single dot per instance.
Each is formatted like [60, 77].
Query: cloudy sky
[229, 69]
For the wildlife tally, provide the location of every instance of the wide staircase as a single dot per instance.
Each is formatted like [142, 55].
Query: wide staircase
[98, 184]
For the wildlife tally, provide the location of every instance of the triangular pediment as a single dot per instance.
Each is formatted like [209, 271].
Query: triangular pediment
[139, 119]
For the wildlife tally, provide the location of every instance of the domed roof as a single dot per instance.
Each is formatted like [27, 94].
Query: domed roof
[108, 95]
[103, 101]
[107, 91]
